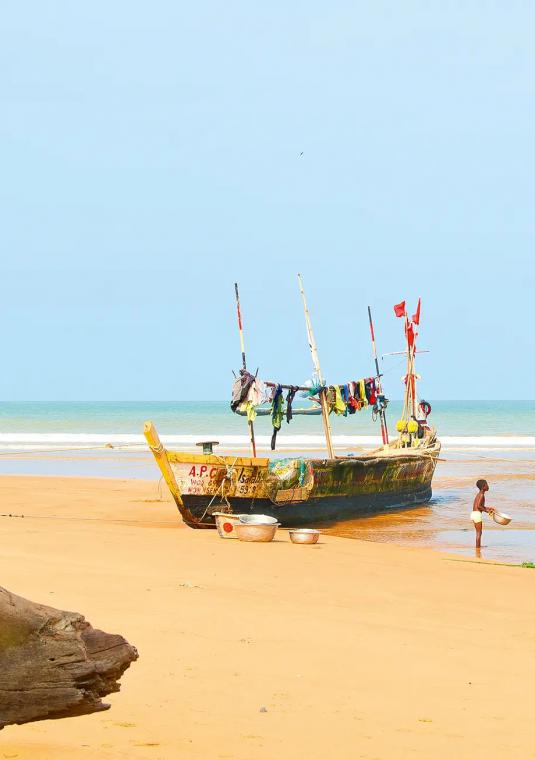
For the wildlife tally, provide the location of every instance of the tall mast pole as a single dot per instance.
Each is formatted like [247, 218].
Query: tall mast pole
[317, 368]
[413, 380]
[382, 412]
[410, 388]
[406, 409]
[244, 363]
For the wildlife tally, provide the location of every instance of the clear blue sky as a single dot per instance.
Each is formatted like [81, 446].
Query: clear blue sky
[150, 157]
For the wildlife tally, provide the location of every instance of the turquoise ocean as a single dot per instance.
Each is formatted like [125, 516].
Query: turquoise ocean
[480, 439]
[452, 418]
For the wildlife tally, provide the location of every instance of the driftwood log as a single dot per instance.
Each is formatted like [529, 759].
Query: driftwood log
[53, 664]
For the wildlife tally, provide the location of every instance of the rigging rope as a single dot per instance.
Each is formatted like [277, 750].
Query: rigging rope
[229, 473]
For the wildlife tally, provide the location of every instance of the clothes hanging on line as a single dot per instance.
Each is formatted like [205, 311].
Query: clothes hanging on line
[249, 393]
[370, 390]
[354, 403]
[313, 389]
[289, 400]
[277, 414]
[249, 409]
[362, 392]
[256, 395]
[353, 396]
[344, 391]
[340, 406]
[240, 388]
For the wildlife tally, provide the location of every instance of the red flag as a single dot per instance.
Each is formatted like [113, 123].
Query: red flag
[416, 316]
[399, 309]
[411, 335]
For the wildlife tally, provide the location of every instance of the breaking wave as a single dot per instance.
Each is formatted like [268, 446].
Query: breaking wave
[46, 441]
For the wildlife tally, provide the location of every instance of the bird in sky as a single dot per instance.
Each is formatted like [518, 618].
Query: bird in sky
[300, 154]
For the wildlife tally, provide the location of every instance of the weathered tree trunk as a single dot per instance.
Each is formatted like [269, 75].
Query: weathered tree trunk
[53, 664]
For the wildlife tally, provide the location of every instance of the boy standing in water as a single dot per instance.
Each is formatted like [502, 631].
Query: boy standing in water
[478, 508]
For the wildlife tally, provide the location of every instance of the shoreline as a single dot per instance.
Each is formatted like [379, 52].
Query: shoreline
[394, 649]
[441, 525]
[174, 519]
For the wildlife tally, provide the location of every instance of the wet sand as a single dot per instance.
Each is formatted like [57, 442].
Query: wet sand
[349, 649]
[444, 523]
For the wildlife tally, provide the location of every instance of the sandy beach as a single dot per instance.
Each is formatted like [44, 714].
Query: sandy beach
[349, 649]
[267, 259]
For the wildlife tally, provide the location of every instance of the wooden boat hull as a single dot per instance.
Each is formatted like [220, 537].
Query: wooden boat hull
[299, 492]
[314, 512]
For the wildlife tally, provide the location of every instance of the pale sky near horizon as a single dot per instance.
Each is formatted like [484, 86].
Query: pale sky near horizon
[151, 156]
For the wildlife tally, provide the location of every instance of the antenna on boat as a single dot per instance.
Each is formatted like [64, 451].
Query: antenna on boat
[382, 410]
[244, 363]
[317, 368]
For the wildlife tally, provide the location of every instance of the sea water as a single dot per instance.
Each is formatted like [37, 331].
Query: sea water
[479, 423]
[481, 439]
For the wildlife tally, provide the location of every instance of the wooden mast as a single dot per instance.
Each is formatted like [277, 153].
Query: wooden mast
[409, 407]
[244, 363]
[406, 400]
[317, 368]
[382, 413]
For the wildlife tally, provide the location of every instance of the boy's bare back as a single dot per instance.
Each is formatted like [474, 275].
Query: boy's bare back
[479, 502]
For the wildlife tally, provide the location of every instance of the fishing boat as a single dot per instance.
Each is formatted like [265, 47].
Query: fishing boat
[304, 491]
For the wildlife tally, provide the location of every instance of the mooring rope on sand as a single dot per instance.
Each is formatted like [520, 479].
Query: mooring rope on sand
[106, 446]
[90, 519]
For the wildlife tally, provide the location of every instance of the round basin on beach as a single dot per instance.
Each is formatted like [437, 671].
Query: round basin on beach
[226, 524]
[304, 536]
[258, 520]
[251, 532]
[501, 518]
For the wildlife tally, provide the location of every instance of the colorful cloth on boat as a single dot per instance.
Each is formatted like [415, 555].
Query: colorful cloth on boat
[250, 410]
[362, 392]
[370, 390]
[240, 388]
[313, 388]
[268, 394]
[346, 395]
[257, 393]
[380, 404]
[289, 400]
[335, 402]
[330, 398]
[249, 392]
[340, 406]
[353, 404]
[277, 413]
[289, 478]
[290, 471]
[289, 475]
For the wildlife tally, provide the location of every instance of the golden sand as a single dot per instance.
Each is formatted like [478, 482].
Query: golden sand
[346, 649]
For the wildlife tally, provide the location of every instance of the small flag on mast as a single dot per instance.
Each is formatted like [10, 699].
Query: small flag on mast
[399, 309]
[416, 315]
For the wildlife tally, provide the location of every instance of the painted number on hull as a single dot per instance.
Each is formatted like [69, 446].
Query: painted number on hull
[205, 479]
